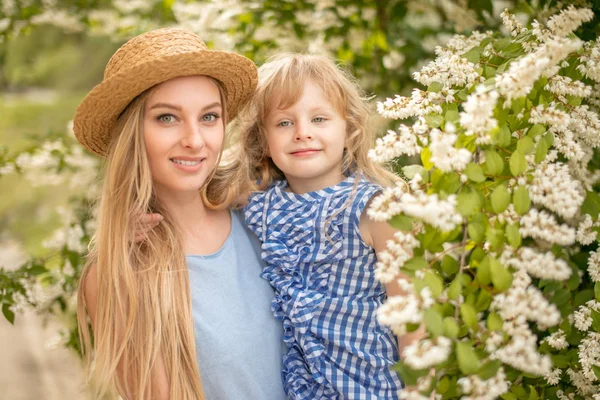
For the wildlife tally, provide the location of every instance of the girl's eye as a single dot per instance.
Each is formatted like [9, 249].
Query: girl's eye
[166, 118]
[318, 119]
[210, 117]
[285, 123]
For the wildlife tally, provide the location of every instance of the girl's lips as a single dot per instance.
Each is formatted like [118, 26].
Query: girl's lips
[305, 152]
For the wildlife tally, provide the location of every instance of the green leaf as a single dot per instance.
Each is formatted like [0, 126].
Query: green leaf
[536, 130]
[415, 264]
[435, 87]
[494, 164]
[500, 199]
[468, 314]
[495, 236]
[451, 328]
[521, 200]
[410, 171]
[8, 313]
[468, 203]
[409, 376]
[401, 222]
[473, 55]
[532, 393]
[474, 172]
[541, 151]
[455, 289]
[517, 163]
[596, 370]
[468, 362]
[434, 322]
[595, 320]
[450, 265]
[503, 136]
[494, 322]
[452, 115]
[591, 205]
[425, 158]
[483, 271]
[484, 299]
[434, 282]
[513, 236]
[476, 230]
[434, 120]
[597, 291]
[525, 145]
[489, 369]
[501, 277]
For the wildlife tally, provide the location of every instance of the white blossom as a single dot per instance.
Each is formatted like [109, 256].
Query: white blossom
[543, 265]
[555, 118]
[450, 71]
[589, 355]
[525, 71]
[557, 340]
[590, 61]
[582, 318]
[478, 115]
[511, 23]
[584, 386]
[479, 389]
[426, 353]
[553, 377]
[400, 310]
[399, 250]
[444, 155]
[542, 225]
[585, 123]
[394, 144]
[554, 188]
[585, 235]
[594, 266]
[567, 21]
[565, 86]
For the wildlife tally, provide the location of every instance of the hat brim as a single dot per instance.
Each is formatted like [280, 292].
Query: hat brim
[97, 115]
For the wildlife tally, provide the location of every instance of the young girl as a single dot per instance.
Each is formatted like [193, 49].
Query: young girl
[307, 142]
[186, 302]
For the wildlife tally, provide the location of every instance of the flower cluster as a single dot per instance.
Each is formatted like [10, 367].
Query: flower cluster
[506, 195]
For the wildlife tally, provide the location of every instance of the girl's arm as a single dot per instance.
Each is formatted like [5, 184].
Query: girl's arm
[376, 234]
[159, 375]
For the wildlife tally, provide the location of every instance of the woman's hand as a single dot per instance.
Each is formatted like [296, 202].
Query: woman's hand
[146, 223]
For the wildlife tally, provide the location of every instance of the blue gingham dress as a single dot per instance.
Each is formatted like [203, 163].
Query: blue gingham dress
[326, 293]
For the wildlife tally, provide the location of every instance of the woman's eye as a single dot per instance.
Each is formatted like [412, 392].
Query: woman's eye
[166, 118]
[210, 117]
[285, 123]
[318, 119]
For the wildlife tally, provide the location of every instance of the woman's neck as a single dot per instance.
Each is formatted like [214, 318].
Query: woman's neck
[204, 230]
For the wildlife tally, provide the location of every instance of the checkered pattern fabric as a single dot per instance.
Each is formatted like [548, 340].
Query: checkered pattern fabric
[326, 293]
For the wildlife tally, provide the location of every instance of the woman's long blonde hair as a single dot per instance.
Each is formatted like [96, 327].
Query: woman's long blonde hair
[280, 84]
[143, 295]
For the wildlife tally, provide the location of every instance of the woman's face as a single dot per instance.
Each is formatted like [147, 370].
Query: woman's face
[183, 131]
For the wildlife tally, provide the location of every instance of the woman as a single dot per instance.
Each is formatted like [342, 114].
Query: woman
[187, 302]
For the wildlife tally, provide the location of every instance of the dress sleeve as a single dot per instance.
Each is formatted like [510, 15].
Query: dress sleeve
[365, 191]
[254, 214]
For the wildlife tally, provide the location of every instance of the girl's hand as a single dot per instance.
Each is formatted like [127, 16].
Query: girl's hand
[146, 223]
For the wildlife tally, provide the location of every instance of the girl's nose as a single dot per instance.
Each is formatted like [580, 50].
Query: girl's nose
[302, 132]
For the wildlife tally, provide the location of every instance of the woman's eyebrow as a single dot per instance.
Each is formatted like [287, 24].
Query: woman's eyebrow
[178, 108]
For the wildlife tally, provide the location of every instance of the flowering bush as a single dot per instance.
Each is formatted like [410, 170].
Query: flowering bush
[499, 222]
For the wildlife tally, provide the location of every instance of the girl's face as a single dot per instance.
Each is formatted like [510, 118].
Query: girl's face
[306, 141]
[183, 131]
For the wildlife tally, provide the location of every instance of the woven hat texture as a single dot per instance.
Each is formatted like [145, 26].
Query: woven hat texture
[147, 60]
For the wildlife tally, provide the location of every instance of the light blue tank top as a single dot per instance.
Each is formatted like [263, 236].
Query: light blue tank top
[239, 342]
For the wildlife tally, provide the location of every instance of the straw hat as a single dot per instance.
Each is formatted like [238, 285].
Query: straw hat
[147, 60]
